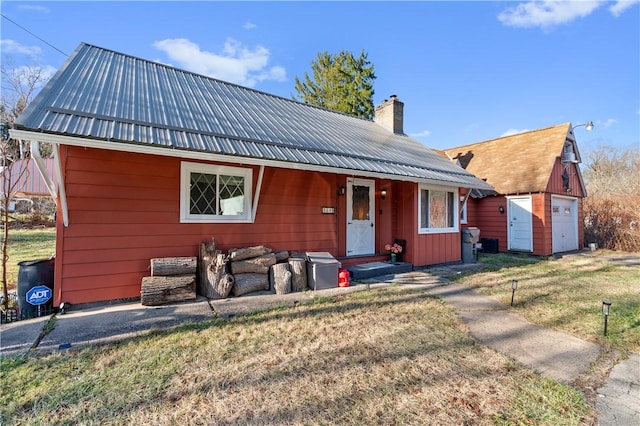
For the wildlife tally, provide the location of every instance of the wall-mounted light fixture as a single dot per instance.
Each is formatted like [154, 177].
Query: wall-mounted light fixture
[501, 209]
[588, 126]
[342, 190]
[383, 193]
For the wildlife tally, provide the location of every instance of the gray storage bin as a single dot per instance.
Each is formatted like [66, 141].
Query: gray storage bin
[322, 270]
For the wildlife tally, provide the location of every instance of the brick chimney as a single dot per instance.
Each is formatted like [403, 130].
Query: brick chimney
[390, 115]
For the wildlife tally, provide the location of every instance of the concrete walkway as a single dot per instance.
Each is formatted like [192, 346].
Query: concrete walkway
[552, 354]
[559, 356]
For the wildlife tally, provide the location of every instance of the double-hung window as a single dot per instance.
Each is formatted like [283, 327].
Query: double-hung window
[437, 210]
[210, 193]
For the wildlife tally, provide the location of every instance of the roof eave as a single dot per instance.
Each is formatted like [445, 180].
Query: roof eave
[168, 151]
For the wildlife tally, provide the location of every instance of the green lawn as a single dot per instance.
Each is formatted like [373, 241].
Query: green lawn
[28, 244]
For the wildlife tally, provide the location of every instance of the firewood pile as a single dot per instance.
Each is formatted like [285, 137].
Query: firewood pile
[219, 275]
[173, 279]
[247, 270]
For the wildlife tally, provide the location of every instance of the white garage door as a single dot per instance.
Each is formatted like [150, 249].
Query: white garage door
[564, 214]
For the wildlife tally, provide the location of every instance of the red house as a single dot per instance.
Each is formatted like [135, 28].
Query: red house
[154, 160]
[537, 204]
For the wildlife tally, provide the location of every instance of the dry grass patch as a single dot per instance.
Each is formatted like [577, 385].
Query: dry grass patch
[382, 357]
[567, 293]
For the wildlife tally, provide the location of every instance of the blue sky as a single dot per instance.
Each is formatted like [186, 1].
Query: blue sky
[466, 71]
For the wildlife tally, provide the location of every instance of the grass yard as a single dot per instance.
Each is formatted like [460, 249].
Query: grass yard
[567, 293]
[28, 244]
[392, 356]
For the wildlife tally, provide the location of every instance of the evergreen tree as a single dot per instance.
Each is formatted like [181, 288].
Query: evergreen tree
[340, 83]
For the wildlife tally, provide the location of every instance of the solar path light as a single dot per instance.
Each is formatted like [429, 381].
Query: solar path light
[514, 286]
[606, 307]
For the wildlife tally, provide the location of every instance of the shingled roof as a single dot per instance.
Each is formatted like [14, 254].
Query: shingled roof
[516, 164]
[116, 101]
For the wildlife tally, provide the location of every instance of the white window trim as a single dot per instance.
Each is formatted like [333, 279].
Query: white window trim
[456, 210]
[186, 168]
[463, 210]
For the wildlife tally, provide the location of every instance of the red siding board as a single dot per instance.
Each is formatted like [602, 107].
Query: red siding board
[489, 220]
[555, 185]
[122, 193]
[123, 205]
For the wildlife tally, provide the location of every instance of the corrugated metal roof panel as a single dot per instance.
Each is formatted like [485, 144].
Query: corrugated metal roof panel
[101, 94]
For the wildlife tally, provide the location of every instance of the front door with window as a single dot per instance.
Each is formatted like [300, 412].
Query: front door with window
[360, 217]
[520, 231]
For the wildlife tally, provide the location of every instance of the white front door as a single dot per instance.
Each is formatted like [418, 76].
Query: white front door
[360, 217]
[519, 224]
[564, 224]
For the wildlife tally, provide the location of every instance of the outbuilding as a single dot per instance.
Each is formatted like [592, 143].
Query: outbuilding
[536, 205]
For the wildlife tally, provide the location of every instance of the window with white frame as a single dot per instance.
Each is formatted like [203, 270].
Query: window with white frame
[210, 193]
[437, 210]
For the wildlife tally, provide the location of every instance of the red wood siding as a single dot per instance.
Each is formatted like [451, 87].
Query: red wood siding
[384, 215]
[485, 215]
[484, 212]
[555, 185]
[124, 210]
[541, 224]
[422, 249]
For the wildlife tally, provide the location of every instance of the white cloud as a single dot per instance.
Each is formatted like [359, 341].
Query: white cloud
[513, 132]
[12, 46]
[546, 13]
[34, 8]
[236, 63]
[621, 6]
[249, 26]
[422, 134]
[608, 123]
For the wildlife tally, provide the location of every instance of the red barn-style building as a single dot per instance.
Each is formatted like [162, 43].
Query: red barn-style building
[154, 160]
[537, 204]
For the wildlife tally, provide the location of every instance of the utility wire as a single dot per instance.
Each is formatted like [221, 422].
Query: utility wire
[39, 38]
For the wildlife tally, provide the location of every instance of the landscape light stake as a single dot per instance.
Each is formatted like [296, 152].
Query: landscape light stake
[514, 286]
[606, 306]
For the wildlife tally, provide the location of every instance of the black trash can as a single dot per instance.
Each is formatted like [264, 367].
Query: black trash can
[32, 274]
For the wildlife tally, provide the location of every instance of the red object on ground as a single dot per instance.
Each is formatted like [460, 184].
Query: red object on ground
[343, 277]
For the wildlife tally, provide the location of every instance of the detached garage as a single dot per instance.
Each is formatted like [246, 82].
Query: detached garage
[537, 204]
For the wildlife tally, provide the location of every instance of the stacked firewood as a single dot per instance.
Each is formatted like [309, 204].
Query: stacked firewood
[248, 270]
[173, 279]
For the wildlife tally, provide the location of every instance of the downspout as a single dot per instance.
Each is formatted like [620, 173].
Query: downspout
[256, 198]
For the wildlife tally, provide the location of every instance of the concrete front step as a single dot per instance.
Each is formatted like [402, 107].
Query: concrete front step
[375, 269]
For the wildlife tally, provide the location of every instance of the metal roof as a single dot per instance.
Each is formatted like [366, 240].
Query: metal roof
[104, 95]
